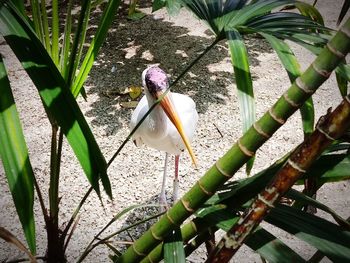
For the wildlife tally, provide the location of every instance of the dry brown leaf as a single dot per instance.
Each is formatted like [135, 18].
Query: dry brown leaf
[129, 104]
[8, 237]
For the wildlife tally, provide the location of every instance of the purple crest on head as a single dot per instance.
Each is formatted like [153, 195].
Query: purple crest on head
[156, 80]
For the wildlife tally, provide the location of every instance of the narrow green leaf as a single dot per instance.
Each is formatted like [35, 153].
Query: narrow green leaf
[158, 4]
[55, 33]
[20, 5]
[173, 7]
[45, 26]
[57, 98]
[240, 63]
[267, 245]
[330, 168]
[174, 248]
[37, 19]
[286, 55]
[291, 64]
[344, 71]
[15, 158]
[338, 146]
[96, 3]
[342, 84]
[106, 20]
[91, 245]
[255, 9]
[64, 62]
[239, 59]
[327, 237]
[308, 116]
[218, 215]
[310, 11]
[343, 11]
[304, 199]
[271, 248]
[73, 61]
[82, 37]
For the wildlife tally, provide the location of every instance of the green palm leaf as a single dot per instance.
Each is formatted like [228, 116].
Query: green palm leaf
[304, 199]
[173, 248]
[56, 97]
[291, 64]
[255, 9]
[331, 168]
[15, 158]
[310, 11]
[271, 248]
[240, 62]
[261, 241]
[343, 11]
[327, 237]
[95, 45]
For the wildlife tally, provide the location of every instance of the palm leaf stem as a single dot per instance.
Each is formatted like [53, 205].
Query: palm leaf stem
[329, 128]
[55, 167]
[91, 246]
[41, 200]
[53, 190]
[207, 49]
[245, 148]
[75, 214]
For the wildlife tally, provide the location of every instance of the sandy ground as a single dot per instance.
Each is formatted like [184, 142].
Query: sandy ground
[136, 173]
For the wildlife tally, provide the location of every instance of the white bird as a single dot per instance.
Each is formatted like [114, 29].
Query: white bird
[169, 127]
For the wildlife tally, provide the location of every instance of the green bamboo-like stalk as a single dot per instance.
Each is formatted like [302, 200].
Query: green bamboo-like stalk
[244, 149]
[188, 231]
[329, 128]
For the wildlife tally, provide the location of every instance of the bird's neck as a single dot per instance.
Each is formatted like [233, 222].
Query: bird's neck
[157, 118]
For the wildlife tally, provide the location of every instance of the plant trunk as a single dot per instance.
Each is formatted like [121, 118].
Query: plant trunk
[55, 244]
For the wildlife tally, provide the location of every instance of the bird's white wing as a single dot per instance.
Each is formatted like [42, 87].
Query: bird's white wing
[138, 113]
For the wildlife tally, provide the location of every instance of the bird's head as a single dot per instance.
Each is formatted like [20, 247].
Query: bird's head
[156, 82]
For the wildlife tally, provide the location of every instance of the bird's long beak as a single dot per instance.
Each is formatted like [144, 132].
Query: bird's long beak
[170, 111]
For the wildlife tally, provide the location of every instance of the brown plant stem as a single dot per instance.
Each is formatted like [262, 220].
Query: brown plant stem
[330, 127]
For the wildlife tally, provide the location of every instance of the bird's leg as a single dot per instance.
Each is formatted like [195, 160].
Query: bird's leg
[162, 197]
[176, 179]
